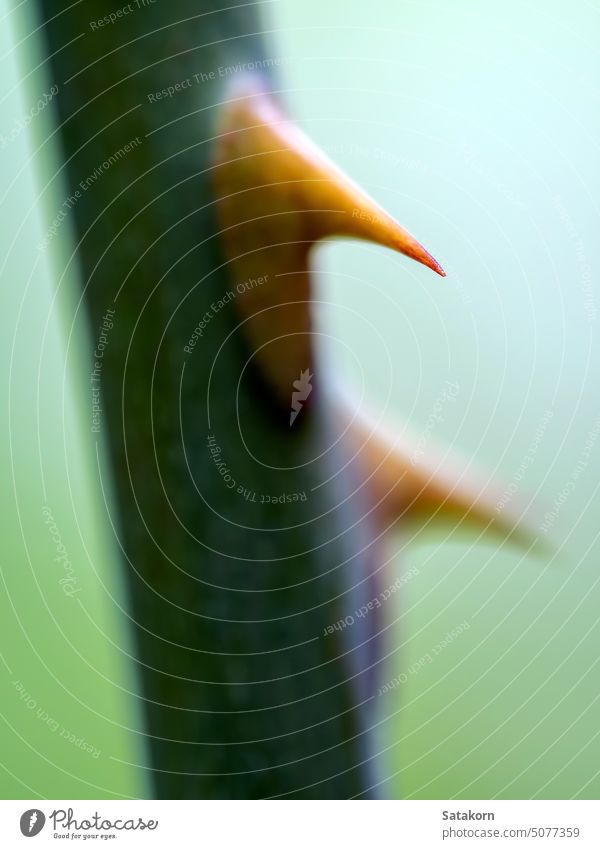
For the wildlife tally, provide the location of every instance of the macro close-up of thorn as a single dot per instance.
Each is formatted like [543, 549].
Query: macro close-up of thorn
[278, 195]
[299, 506]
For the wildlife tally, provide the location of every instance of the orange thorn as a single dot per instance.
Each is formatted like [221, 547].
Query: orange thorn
[277, 195]
[405, 482]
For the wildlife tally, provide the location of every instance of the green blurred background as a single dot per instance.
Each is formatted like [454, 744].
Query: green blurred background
[476, 125]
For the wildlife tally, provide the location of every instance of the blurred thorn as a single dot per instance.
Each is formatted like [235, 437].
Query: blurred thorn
[410, 481]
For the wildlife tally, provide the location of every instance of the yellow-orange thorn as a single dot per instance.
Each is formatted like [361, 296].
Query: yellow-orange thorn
[405, 481]
[277, 194]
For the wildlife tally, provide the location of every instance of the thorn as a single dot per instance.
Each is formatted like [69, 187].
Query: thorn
[437, 485]
[277, 195]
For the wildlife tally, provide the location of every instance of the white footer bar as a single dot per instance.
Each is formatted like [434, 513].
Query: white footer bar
[301, 824]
